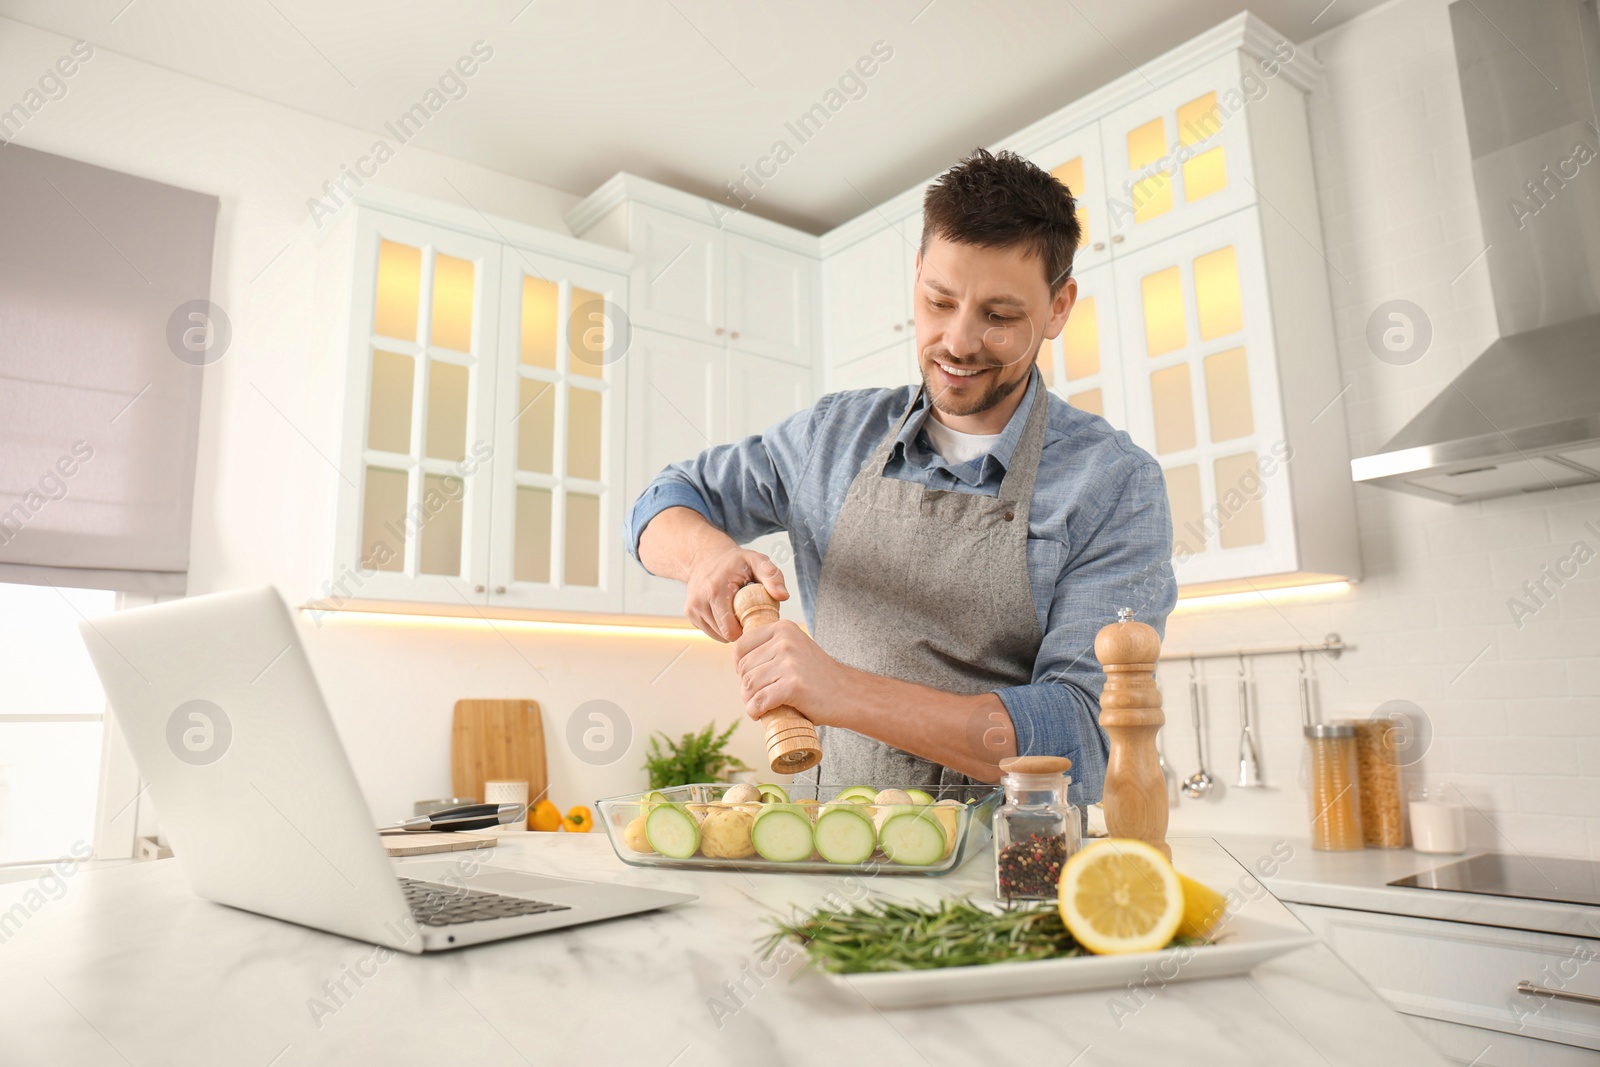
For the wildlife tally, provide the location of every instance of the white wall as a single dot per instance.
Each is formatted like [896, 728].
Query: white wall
[1519, 729]
[264, 494]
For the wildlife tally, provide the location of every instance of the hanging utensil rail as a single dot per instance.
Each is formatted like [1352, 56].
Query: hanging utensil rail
[1331, 644]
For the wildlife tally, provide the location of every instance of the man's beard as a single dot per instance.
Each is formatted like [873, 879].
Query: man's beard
[951, 404]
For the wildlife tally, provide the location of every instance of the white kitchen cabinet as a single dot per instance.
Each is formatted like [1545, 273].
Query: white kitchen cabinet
[688, 396]
[770, 300]
[887, 368]
[705, 272]
[679, 274]
[677, 409]
[415, 500]
[1204, 325]
[761, 394]
[558, 466]
[1075, 160]
[867, 292]
[481, 453]
[1466, 975]
[1181, 155]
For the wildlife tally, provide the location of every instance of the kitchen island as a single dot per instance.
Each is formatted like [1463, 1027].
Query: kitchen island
[124, 965]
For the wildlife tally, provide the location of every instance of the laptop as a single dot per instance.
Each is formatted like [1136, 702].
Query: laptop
[259, 803]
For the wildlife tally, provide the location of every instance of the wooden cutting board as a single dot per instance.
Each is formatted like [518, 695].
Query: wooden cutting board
[494, 740]
[423, 843]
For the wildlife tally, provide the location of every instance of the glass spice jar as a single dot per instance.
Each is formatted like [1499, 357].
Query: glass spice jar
[1036, 829]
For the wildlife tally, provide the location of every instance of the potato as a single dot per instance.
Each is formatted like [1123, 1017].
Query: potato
[633, 836]
[892, 796]
[742, 793]
[725, 835]
[948, 812]
[812, 808]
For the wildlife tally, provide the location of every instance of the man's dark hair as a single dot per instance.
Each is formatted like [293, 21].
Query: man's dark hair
[999, 201]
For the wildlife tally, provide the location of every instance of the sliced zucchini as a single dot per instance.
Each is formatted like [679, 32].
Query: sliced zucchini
[773, 794]
[845, 835]
[782, 834]
[672, 831]
[857, 794]
[913, 838]
[919, 797]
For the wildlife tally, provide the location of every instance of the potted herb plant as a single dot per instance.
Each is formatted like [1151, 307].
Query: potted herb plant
[695, 757]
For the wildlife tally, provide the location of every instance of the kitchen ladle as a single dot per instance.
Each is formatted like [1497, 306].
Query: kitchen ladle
[1199, 783]
[1249, 757]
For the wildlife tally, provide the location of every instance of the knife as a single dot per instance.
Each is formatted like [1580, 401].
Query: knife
[463, 817]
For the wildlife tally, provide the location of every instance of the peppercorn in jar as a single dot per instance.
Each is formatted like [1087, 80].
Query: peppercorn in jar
[1036, 830]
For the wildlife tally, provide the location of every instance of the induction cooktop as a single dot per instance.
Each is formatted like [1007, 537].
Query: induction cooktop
[1500, 874]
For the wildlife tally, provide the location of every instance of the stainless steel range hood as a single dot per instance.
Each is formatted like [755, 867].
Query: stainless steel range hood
[1525, 415]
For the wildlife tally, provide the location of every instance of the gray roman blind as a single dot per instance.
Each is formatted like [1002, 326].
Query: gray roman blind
[104, 332]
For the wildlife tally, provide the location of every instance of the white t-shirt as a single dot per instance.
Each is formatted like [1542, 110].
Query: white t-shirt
[957, 447]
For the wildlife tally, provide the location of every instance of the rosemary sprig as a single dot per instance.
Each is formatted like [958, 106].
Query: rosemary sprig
[889, 936]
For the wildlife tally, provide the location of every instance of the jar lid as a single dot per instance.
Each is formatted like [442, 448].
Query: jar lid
[1330, 729]
[1035, 765]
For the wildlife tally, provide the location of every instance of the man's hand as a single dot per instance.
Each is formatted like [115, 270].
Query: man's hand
[780, 664]
[716, 576]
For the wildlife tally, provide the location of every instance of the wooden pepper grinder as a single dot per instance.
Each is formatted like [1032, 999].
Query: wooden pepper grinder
[1130, 711]
[792, 744]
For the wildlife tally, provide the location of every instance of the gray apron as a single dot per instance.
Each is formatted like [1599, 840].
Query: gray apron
[928, 586]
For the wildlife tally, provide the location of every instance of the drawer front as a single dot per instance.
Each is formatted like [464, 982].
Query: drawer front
[1470, 1046]
[1468, 974]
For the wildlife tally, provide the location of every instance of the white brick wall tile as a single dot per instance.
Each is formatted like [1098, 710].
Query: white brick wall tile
[1457, 645]
[1556, 717]
[1550, 637]
[1487, 533]
[1540, 835]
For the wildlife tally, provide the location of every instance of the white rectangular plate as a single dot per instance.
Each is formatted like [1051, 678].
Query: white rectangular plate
[1241, 945]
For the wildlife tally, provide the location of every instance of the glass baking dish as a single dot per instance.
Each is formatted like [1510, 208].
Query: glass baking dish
[970, 813]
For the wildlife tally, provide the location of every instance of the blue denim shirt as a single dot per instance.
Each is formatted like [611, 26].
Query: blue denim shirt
[1099, 533]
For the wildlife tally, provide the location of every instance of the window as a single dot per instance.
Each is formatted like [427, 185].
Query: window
[52, 713]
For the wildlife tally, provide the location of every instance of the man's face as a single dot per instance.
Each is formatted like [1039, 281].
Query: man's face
[982, 314]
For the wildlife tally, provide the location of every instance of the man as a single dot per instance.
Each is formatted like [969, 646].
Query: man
[957, 545]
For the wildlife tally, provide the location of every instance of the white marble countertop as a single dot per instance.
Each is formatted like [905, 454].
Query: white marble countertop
[125, 966]
[1358, 880]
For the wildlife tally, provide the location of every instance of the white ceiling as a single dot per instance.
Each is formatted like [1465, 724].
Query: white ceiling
[681, 91]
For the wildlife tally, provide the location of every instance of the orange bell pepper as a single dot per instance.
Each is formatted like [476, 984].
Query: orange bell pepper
[546, 816]
[577, 820]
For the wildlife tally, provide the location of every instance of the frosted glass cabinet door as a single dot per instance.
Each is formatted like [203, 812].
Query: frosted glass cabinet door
[558, 464]
[1201, 387]
[1084, 365]
[415, 509]
[1076, 162]
[1181, 156]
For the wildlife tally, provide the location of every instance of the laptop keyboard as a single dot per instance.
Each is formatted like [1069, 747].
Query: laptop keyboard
[444, 905]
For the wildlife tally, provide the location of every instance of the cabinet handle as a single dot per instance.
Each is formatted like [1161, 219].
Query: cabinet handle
[899, 326]
[721, 331]
[499, 589]
[1532, 990]
[1118, 239]
[911, 322]
[1099, 246]
[477, 589]
[734, 336]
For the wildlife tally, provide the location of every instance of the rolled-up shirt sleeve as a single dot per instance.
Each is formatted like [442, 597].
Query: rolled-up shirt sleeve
[1124, 561]
[743, 488]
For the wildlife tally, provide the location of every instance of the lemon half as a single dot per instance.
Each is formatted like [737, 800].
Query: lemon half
[1120, 895]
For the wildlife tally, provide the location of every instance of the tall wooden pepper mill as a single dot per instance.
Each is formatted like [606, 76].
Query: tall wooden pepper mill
[792, 744]
[1130, 710]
